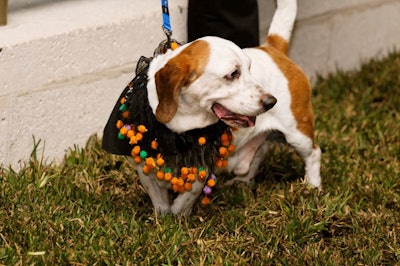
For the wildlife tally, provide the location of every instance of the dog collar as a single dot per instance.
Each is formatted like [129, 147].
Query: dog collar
[178, 159]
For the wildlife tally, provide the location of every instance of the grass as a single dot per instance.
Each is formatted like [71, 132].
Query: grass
[91, 209]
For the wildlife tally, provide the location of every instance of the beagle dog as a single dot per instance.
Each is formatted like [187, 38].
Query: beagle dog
[254, 90]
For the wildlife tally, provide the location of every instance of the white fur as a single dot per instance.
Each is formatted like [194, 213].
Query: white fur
[283, 20]
[259, 76]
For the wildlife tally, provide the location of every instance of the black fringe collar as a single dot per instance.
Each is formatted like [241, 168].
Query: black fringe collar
[178, 150]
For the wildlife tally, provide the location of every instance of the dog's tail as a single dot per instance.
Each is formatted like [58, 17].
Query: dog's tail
[282, 25]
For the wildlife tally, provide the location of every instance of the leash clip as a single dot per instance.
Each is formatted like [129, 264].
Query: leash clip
[168, 33]
[169, 43]
[165, 45]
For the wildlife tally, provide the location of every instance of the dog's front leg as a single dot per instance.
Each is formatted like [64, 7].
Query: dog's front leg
[158, 195]
[245, 161]
[183, 203]
[254, 167]
[313, 164]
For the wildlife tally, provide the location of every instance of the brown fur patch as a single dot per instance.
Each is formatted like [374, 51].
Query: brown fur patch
[179, 72]
[278, 43]
[300, 91]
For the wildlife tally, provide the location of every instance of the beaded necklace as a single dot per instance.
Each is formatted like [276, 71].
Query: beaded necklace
[178, 159]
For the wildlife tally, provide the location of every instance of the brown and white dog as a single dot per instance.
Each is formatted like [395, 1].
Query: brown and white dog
[256, 90]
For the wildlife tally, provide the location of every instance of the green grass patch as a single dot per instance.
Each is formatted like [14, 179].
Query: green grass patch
[91, 209]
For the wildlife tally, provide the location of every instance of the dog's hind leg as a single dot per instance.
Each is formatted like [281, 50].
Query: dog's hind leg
[312, 167]
[310, 153]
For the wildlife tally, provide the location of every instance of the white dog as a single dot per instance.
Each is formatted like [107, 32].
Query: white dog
[255, 90]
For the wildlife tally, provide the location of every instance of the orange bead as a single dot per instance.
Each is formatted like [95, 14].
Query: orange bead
[130, 133]
[184, 170]
[193, 170]
[137, 159]
[167, 176]
[145, 169]
[231, 148]
[123, 130]
[211, 182]
[122, 101]
[154, 145]
[160, 161]
[191, 177]
[119, 124]
[125, 114]
[175, 188]
[136, 150]
[202, 174]
[224, 137]
[149, 161]
[174, 181]
[188, 186]
[220, 163]
[180, 182]
[160, 175]
[133, 140]
[223, 151]
[174, 45]
[205, 201]
[139, 136]
[142, 128]
[202, 140]
[181, 189]
[225, 143]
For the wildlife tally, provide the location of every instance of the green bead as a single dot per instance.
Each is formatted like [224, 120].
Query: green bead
[120, 136]
[143, 154]
[167, 170]
[122, 107]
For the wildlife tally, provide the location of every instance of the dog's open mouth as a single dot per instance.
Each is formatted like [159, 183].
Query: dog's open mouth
[233, 119]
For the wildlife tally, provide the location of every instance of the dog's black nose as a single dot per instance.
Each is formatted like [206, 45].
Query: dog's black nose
[268, 101]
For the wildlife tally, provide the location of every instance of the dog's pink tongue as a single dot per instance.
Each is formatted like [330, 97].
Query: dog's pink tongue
[229, 117]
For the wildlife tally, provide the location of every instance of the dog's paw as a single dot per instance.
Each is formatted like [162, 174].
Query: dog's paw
[162, 209]
[313, 187]
[181, 212]
[314, 182]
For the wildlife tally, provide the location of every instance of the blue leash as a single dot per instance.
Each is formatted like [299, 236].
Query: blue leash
[166, 26]
[166, 21]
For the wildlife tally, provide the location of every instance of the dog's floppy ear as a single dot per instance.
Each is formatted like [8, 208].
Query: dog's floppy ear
[169, 81]
[179, 72]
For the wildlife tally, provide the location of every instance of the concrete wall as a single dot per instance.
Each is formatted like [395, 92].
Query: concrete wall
[340, 34]
[64, 63]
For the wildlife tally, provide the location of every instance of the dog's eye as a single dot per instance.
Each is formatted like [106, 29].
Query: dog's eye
[233, 75]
